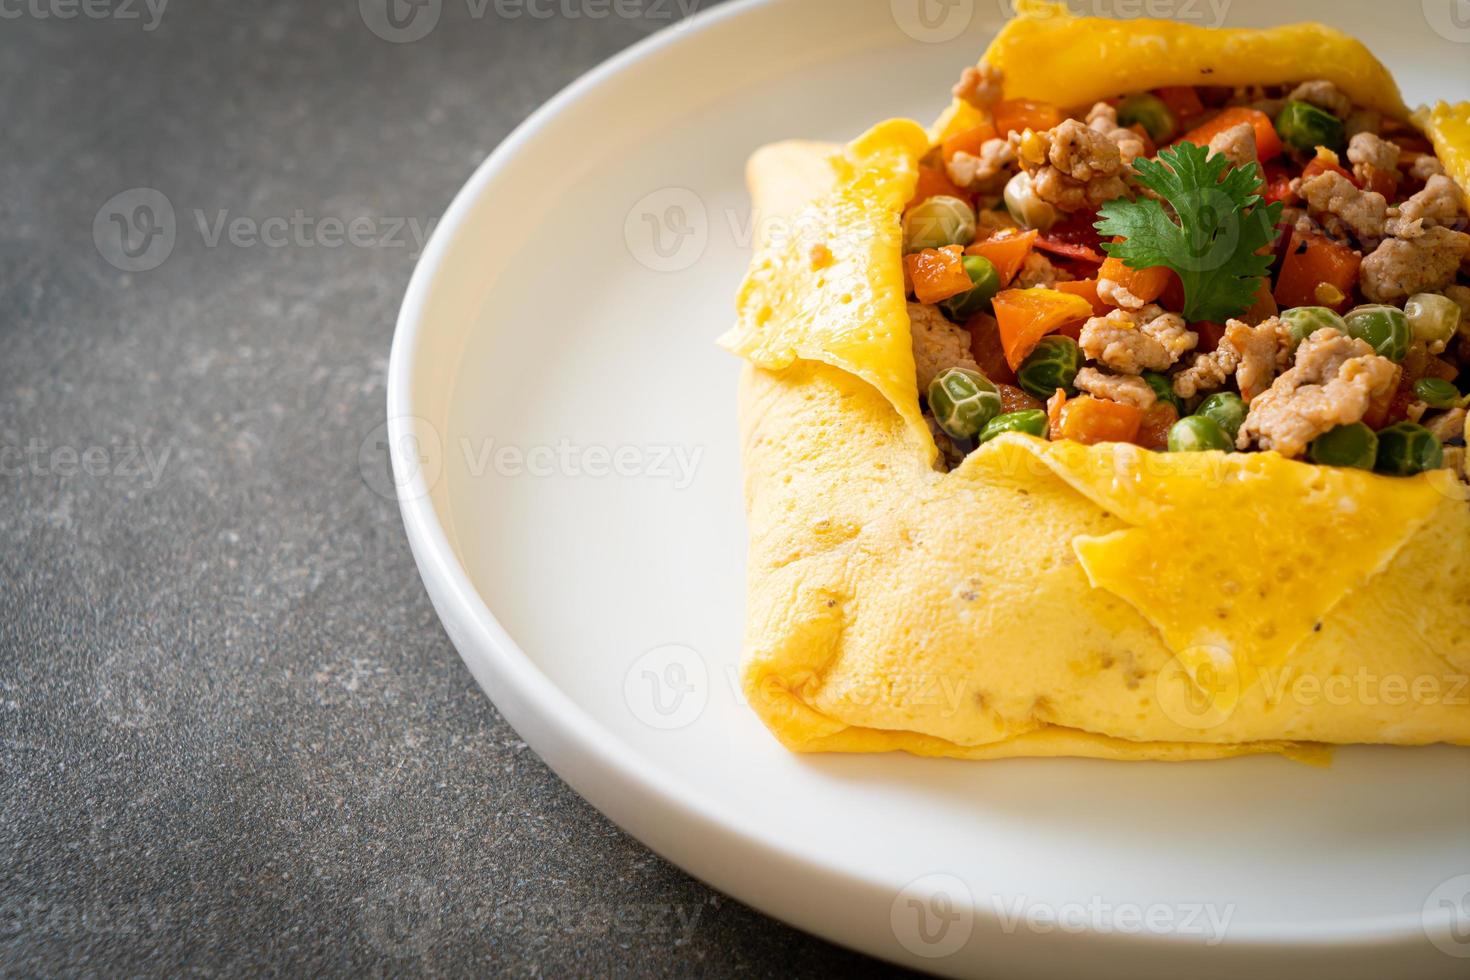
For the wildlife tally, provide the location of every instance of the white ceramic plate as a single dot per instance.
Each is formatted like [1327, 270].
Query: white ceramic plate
[564, 430]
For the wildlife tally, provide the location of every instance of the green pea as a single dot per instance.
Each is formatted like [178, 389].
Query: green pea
[1303, 321]
[1385, 327]
[1306, 127]
[1150, 112]
[1024, 205]
[1197, 434]
[936, 222]
[987, 283]
[963, 401]
[1406, 448]
[1226, 409]
[1053, 364]
[1436, 392]
[1432, 317]
[1163, 388]
[1353, 445]
[1031, 421]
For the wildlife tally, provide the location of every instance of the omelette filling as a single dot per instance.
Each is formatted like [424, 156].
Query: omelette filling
[1193, 268]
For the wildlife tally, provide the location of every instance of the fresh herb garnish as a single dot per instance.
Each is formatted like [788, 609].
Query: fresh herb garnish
[1213, 237]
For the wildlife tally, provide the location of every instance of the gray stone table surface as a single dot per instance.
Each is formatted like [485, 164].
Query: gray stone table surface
[233, 737]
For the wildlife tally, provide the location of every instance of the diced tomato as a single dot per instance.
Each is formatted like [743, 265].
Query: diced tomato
[1172, 298]
[968, 141]
[1278, 185]
[937, 273]
[1091, 420]
[1385, 182]
[1210, 335]
[1013, 399]
[1268, 144]
[1027, 315]
[1087, 289]
[1149, 147]
[1147, 284]
[986, 349]
[1314, 261]
[1182, 100]
[933, 182]
[1075, 238]
[1067, 250]
[1153, 429]
[1006, 250]
[1016, 115]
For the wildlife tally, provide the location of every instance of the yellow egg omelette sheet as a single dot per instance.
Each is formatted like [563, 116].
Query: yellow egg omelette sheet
[1047, 598]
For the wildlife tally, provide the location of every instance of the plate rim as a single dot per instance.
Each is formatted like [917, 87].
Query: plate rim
[525, 693]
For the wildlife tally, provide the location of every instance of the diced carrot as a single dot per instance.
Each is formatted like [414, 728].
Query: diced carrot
[1006, 250]
[1153, 429]
[1054, 406]
[933, 181]
[986, 349]
[1027, 315]
[968, 141]
[1320, 165]
[1016, 115]
[1381, 407]
[937, 273]
[1264, 305]
[1441, 369]
[1183, 101]
[1268, 144]
[1147, 284]
[1087, 289]
[1091, 420]
[1314, 261]
[1013, 399]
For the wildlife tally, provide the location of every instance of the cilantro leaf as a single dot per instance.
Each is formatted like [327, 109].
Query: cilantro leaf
[1210, 235]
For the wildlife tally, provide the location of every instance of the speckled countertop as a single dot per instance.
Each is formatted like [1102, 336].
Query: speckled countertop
[233, 737]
